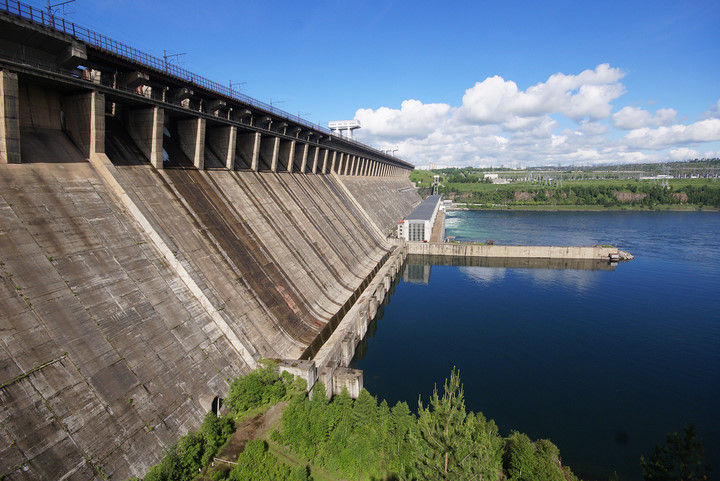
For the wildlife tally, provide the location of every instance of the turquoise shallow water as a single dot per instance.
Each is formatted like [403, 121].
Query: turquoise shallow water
[602, 361]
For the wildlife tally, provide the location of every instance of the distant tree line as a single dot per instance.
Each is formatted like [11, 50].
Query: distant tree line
[601, 195]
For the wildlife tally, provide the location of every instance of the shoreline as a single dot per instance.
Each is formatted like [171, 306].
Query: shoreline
[587, 208]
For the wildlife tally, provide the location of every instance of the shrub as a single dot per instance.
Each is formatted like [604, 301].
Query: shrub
[263, 386]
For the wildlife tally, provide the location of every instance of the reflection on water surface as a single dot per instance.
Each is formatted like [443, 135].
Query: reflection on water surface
[602, 359]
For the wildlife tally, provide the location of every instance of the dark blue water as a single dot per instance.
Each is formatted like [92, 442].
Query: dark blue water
[602, 362]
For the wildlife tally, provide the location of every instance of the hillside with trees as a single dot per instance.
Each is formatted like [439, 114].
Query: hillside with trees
[677, 185]
[323, 439]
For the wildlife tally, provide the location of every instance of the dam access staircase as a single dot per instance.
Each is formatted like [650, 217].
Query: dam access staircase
[160, 234]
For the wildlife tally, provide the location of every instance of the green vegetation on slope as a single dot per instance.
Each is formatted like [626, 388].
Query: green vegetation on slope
[680, 457]
[359, 439]
[194, 452]
[330, 440]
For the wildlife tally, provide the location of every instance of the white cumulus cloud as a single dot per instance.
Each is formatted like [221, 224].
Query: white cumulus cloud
[413, 119]
[628, 118]
[564, 120]
[588, 94]
[662, 137]
[684, 153]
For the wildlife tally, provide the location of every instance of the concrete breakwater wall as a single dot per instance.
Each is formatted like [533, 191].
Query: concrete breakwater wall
[330, 361]
[458, 249]
[511, 262]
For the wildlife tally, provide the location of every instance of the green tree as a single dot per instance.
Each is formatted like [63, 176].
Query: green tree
[519, 458]
[680, 458]
[448, 446]
[525, 460]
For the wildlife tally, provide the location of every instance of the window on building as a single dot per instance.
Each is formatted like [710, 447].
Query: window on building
[416, 231]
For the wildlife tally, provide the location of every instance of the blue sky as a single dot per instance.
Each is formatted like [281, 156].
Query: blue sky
[339, 60]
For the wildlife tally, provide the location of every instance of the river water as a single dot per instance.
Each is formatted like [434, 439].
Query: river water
[603, 360]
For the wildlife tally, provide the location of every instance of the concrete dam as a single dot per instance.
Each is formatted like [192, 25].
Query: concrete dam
[159, 234]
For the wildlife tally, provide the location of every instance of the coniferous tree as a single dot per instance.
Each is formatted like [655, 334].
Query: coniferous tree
[447, 447]
[680, 458]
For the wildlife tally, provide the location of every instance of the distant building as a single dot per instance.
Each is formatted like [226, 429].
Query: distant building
[657, 177]
[417, 227]
[495, 178]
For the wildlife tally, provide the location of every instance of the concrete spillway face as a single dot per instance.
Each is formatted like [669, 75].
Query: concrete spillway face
[110, 347]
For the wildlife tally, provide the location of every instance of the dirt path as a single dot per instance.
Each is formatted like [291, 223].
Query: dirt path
[253, 428]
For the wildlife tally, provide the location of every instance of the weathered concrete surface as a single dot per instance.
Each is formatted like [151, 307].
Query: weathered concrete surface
[105, 356]
[532, 252]
[438, 229]
[132, 290]
[176, 220]
[386, 199]
[240, 232]
[321, 248]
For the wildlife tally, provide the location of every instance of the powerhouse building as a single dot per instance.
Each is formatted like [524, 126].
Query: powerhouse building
[417, 227]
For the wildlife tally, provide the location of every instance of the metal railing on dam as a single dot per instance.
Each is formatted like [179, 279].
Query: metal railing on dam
[106, 44]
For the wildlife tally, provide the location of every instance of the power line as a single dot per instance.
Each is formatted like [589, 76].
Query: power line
[167, 56]
[52, 6]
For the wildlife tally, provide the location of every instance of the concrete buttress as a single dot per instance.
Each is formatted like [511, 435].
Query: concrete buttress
[316, 157]
[303, 163]
[248, 145]
[85, 121]
[145, 126]
[326, 152]
[191, 138]
[285, 155]
[223, 140]
[9, 118]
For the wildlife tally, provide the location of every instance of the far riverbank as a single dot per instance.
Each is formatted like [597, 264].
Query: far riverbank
[585, 208]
